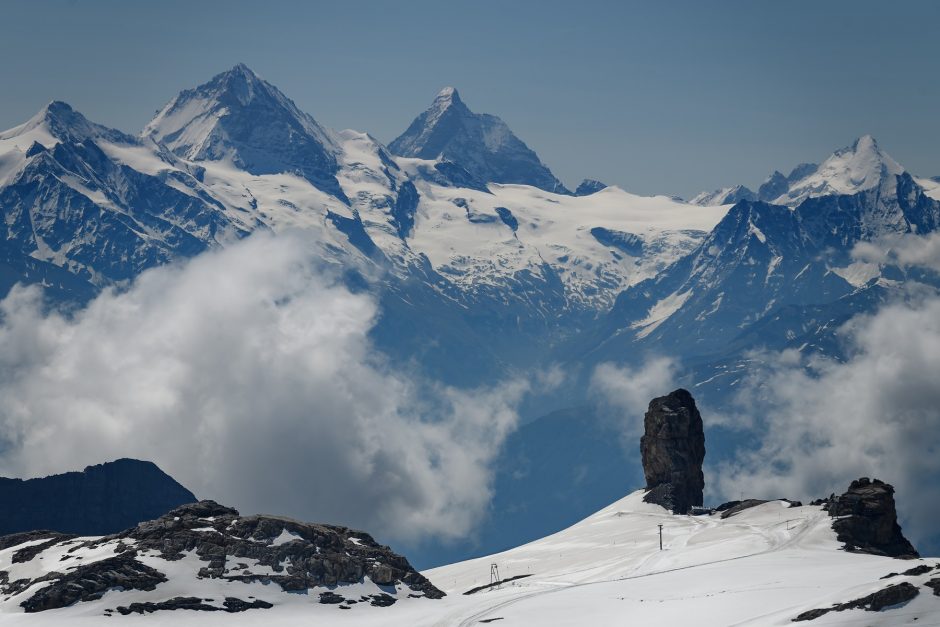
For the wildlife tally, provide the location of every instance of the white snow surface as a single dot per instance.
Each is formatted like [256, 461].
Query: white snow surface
[761, 567]
[851, 170]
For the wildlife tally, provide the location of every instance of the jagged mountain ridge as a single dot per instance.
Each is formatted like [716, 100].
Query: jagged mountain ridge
[87, 206]
[72, 199]
[98, 205]
[762, 258]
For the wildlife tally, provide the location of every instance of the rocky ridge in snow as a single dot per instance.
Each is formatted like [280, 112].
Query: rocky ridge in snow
[203, 557]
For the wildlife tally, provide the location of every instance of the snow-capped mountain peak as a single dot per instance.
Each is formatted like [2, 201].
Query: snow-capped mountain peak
[241, 118]
[856, 168]
[447, 97]
[57, 122]
[481, 143]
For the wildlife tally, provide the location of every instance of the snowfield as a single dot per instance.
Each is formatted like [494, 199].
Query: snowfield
[762, 566]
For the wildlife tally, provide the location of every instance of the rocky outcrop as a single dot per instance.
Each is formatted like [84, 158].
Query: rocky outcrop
[90, 582]
[874, 602]
[102, 499]
[231, 549]
[673, 449]
[934, 584]
[867, 522]
[231, 605]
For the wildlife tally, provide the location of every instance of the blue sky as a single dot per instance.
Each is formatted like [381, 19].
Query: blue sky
[658, 97]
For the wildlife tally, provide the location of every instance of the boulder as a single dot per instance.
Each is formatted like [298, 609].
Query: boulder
[867, 522]
[673, 449]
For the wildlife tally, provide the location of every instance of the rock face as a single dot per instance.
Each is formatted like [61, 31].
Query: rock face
[874, 602]
[102, 499]
[673, 448]
[482, 144]
[867, 522]
[223, 550]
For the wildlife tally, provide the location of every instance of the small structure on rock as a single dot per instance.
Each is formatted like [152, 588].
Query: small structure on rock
[673, 449]
[867, 522]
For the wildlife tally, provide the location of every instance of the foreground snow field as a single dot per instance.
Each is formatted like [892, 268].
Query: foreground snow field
[762, 566]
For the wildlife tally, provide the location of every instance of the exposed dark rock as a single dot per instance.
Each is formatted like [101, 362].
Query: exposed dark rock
[331, 598]
[627, 242]
[294, 555]
[508, 219]
[89, 582]
[382, 600]
[315, 555]
[923, 569]
[14, 539]
[673, 449]
[866, 520]
[231, 605]
[101, 499]
[934, 584]
[588, 187]
[29, 552]
[875, 602]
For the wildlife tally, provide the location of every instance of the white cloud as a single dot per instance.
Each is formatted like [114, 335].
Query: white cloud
[902, 250]
[823, 423]
[627, 391]
[247, 374]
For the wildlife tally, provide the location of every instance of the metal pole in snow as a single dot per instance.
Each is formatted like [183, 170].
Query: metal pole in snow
[660, 537]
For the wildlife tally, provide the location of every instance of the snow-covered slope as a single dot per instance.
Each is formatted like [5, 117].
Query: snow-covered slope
[723, 196]
[763, 566]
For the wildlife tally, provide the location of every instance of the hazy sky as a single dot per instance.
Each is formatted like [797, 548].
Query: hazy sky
[658, 97]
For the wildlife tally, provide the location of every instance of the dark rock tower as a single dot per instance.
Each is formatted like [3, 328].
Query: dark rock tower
[673, 449]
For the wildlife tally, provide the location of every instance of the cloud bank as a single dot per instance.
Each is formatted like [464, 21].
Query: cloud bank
[625, 392]
[247, 374]
[823, 423]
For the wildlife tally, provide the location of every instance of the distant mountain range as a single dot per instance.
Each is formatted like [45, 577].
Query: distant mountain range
[488, 263]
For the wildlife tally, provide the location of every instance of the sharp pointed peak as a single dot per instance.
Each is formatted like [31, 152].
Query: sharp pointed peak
[446, 98]
[865, 141]
[242, 70]
[448, 93]
[58, 114]
[58, 106]
[863, 144]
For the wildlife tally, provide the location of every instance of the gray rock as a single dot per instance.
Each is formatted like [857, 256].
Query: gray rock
[874, 602]
[867, 522]
[301, 555]
[673, 449]
[89, 582]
